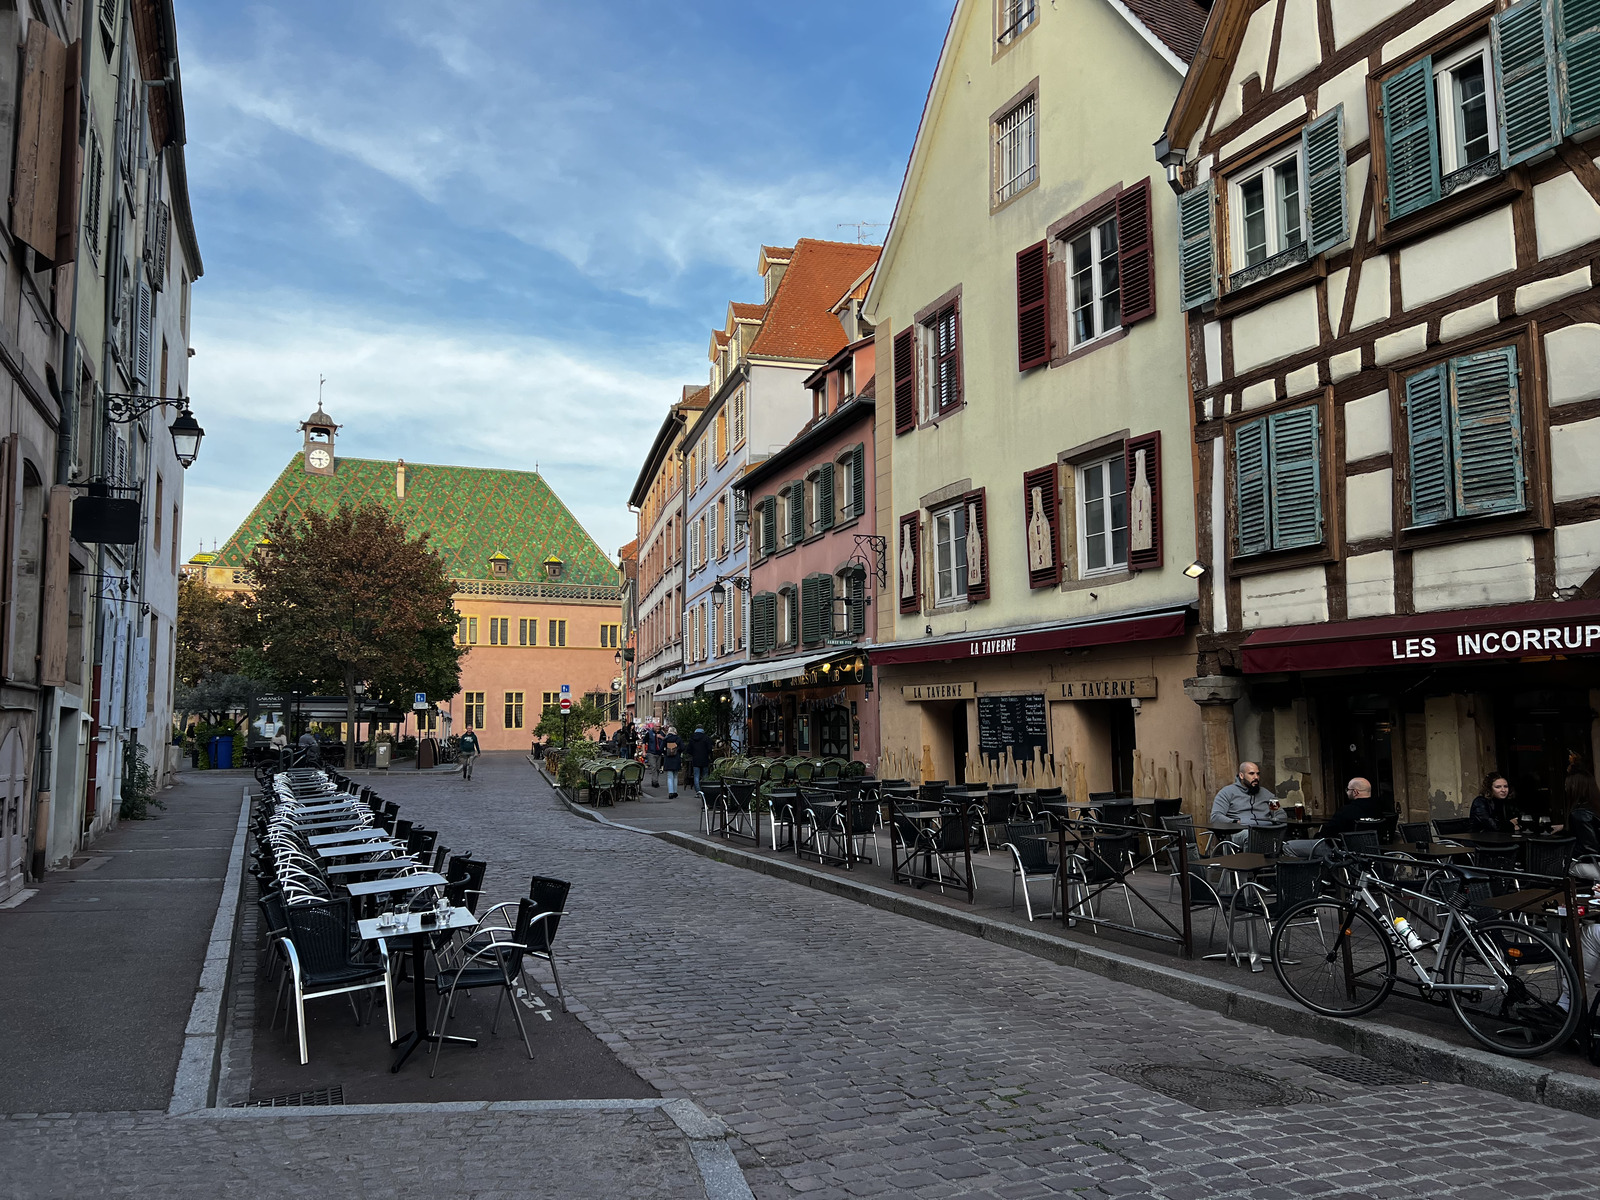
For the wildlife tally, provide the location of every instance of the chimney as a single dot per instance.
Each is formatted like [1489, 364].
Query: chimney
[400, 479]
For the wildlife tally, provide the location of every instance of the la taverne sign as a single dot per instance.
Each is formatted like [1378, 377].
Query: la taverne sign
[919, 692]
[1140, 687]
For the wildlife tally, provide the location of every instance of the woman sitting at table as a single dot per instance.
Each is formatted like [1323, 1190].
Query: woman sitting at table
[1491, 808]
[1583, 811]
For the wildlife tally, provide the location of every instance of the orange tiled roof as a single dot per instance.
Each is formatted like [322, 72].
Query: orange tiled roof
[800, 323]
[631, 550]
[777, 253]
[747, 311]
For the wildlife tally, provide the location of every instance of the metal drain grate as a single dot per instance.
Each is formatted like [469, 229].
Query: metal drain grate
[1360, 1070]
[321, 1098]
[1211, 1088]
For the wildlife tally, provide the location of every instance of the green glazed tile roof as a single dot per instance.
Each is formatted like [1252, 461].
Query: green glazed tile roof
[468, 513]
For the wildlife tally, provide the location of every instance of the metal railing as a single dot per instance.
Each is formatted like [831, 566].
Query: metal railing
[539, 591]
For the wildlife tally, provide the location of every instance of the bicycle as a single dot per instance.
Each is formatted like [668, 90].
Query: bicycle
[1511, 985]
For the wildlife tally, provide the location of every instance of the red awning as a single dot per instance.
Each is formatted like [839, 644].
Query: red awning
[1505, 633]
[1143, 628]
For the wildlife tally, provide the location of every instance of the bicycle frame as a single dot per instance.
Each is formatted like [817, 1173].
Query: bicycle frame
[1429, 980]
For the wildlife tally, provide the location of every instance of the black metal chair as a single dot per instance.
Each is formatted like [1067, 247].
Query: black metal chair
[1363, 841]
[1549, 857]
[1169, 807]
[318, 947]
[1497, 858]
[1447, 826]
[1263, 841]
[1417, 832]
[1116, 814]
[1294, 882]
[1030, 857]
[1096, 868]
[549, 898]
[495, 960]
[1203, 897]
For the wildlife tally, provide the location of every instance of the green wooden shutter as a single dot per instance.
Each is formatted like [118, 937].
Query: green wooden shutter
[1578, 53]
[827, 506]
[769, 524]
[1410, 139]
[824, 603]
[1296, 474]
[797, 512]
[758, 608]
[858, 603]
[810, 612]
[1428, 436]
[1327, 214]
[1525, 80]
[791, 600]
[1197, 255]
[858, 479]
[1250, 486]
[1488, 433]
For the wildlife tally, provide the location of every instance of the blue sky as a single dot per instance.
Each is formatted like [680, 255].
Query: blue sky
[503, 229]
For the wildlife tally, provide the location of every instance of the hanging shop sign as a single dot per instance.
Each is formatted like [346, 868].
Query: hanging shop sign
[1094, 687]
[916, 693]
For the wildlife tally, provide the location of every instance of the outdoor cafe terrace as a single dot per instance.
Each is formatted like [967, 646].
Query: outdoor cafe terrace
[1144, 881]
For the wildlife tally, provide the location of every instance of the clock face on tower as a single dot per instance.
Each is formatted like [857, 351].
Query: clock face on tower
[319, 458]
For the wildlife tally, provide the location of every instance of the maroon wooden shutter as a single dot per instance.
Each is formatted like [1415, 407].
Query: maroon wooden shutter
[1046, 481]
[1150, 443]
[961, 387]
[977, 507]
[910, 526]
[905, 381]
[1136, 257]
[1033, 306]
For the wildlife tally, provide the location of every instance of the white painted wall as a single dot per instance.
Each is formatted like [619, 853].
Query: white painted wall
[1468, 574]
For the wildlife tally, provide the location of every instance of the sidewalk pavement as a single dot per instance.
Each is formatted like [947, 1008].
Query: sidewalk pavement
[101, 963]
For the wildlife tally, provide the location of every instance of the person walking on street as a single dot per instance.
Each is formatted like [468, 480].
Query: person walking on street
[652, 746]
[699, 755]
[672, 760]
[467, 749]
[1243, 802]
[630, 738]
[310, 749]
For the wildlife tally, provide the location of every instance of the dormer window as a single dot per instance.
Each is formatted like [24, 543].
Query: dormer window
[499, 566]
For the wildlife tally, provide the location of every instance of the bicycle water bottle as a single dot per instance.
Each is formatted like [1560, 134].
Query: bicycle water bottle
[1408, 934]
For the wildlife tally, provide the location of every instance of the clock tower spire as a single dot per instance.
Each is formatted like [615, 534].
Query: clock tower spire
[319, 430]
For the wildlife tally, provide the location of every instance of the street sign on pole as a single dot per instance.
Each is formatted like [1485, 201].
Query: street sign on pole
[419, 701]
[566, 705]
[566, 690]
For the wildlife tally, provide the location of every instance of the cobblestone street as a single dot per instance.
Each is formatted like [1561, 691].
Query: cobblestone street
[852, 1052]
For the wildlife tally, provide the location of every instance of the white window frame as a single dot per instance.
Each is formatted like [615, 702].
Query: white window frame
[736, 433]
[818, 504]
[705, 445]
[949, 527]
[1016, 149]
[781, 525]
[1450, 133]
[844, 496]
[788, 635]
[1113, 470]
[1096, 233]
[1266, 170]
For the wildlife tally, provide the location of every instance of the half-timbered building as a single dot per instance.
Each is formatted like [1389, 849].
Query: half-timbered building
[1389, 219]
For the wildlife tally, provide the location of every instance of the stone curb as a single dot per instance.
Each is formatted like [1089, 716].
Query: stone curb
[194, 1086]
[1415, 1053]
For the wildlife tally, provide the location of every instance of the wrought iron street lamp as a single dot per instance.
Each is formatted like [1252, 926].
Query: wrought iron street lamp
[127, 407]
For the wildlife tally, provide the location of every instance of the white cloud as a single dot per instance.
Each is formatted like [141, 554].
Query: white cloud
[425, 394]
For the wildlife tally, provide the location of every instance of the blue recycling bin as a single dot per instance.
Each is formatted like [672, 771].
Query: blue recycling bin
[220, 751]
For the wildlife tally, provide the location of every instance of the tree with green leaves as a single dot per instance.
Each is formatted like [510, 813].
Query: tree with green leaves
[583, 717]
[348, 600]
[217, 633]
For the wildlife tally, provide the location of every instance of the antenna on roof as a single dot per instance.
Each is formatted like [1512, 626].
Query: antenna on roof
[861, 227]
[321, 379]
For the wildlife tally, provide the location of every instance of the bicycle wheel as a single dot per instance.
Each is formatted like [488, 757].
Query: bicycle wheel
[1528, 1001]
[1332, 959]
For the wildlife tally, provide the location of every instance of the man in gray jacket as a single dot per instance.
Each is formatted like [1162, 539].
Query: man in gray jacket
[1243, 802]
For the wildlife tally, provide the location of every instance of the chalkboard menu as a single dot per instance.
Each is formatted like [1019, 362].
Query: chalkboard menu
[1017, 722]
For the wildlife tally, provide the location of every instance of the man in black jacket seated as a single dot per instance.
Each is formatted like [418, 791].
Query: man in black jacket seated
[1361, 805]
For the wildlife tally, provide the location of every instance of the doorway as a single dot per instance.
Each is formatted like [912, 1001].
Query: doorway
[1358, 740]
[1534, 731]
[958, 743]
[1124, 740]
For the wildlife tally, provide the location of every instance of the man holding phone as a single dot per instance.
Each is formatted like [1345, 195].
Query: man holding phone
[1243, 802]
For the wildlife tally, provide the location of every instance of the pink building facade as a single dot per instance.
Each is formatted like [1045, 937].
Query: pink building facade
[816, 569]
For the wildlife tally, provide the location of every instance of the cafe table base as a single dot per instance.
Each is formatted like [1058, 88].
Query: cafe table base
[458, 918]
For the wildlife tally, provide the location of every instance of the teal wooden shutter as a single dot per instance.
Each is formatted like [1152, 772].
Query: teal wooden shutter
[1410, 139]
[825, 503]
[1197, 255]
[858, 602]
[1428, 436]
[1327, 214]
[1578, 55]
[1296, 474]
[1250, 486]
[1488, 433]
[1525, 80]
[858, 479]
[797, 512]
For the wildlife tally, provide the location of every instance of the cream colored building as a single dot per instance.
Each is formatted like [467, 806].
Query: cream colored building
[1034, 480]
[1391, 212]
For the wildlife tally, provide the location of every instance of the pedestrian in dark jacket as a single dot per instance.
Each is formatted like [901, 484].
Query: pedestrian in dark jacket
[672, 760]
[700, 754]
[652, 746]
[1491, 810]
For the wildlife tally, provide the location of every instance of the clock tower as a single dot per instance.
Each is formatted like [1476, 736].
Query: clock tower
[319, 431]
